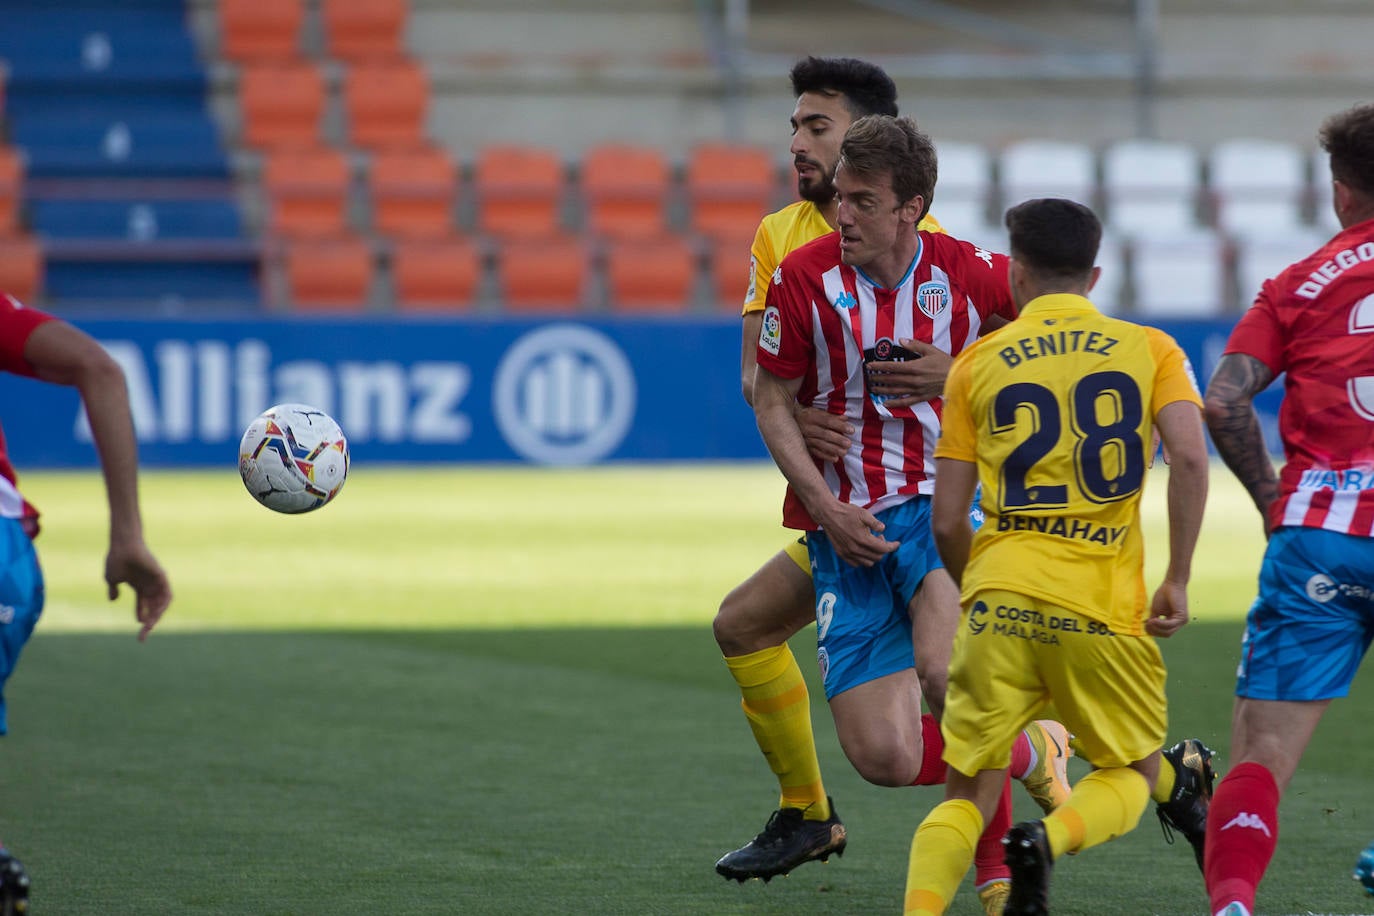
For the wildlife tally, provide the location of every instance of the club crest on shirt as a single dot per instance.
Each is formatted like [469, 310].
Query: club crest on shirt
[770, 334]
[845, 301]
[933, 297]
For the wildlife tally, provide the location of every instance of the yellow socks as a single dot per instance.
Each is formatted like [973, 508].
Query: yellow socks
[1164, 783]
[778, 708]
[1103, 805]
[941, 852]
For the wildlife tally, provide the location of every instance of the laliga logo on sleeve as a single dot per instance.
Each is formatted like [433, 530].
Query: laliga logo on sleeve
[770, 335]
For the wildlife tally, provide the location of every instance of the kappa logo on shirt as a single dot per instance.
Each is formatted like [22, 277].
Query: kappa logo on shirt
[770, 334]
[777, 276]
[845, 300]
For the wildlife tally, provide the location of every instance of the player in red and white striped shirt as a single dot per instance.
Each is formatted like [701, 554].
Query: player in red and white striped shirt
[1314, 618]
[37, 345]
[837, 304]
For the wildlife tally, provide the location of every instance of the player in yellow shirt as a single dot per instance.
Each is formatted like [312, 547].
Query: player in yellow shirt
[1052, 416]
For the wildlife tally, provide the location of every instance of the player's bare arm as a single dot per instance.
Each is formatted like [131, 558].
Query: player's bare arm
[1180, 426]
[854, 531]
[62, 354]
[955, 482]
[1235, 427]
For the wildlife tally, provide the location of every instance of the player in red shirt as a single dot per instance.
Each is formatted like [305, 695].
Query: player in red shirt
[40, 346]
[1314, 618]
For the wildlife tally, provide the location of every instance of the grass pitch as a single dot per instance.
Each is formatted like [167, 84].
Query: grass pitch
[494, 691]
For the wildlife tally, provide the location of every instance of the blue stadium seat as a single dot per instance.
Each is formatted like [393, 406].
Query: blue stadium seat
[135, 220]
[167, 275]
[161, 145]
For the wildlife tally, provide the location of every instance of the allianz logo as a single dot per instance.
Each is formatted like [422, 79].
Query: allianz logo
[560, 394]
[210, 390]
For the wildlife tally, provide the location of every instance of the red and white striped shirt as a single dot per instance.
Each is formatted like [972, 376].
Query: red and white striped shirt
[823, 318]
[16, 324]
[1315, 322]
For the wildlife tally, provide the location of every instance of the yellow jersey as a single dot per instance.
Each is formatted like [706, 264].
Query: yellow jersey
[1056, 411]
[781, 233]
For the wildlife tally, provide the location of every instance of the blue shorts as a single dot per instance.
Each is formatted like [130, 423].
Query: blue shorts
[21, 599]
[863, 627]
[1314, 617]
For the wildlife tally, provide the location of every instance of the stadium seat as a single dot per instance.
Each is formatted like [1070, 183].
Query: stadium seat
[11, 189]
[1151, 186]
[519, 191]
[625, 189]
[328, 274]
[1109, 293]
[282, 103]
[964, 190]
[356, 30]
[306, 192]
[544, 275]
[728, 268]
[172, 144]
[1262, 257]
[729, 189]
[21, 267]
[413, 192]
[651, 275]
[436, 274]
[1046, 168]
[254, 30]
[386, 103]
[1182, 275]
[1257, 186]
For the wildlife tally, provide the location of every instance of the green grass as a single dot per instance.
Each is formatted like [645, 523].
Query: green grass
[494, 691]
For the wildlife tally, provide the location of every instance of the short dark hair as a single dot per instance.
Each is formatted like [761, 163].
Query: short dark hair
[867, 89]
[1054, 238]
[1349, 139]
[882, 143]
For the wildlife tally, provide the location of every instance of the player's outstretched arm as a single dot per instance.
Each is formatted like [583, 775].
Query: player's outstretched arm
[1235, 427]
[62, 354]
[911, 381]
[1180, 426]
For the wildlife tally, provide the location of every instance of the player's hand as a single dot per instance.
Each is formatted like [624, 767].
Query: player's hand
[911, 381]
[1168, 610]
[856, 534]
[1157, 446]
[827, 435]
[135, 565]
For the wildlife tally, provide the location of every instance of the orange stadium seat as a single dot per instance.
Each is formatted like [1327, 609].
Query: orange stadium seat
[729, 189]
[413, 192]
[328, 274]
[436, 274]
[282, 103]
[254, 30]
[729, 272]
[519, 191]
[306, 192]
[361, 29]
[626, 190]
[386, 103]
[21, 267]
[12, 171]
[549, 274]
[651, 275]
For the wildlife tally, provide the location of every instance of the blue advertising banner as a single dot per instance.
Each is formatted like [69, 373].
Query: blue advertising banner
[564, 392]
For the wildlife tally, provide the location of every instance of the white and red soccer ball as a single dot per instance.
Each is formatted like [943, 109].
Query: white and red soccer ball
[293, 458]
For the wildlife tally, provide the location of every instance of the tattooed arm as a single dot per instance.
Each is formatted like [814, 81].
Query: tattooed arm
[1235, 427]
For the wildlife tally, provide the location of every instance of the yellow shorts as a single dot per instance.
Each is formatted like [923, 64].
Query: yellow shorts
[796, 549]
[1014, 655]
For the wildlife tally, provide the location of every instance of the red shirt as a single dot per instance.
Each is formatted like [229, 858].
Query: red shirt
[16, 324]
[823, 318]
[1315, 322]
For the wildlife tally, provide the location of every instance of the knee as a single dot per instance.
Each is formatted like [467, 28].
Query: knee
[885, 764]
[934, 684]
[731, 626]
[750, 619]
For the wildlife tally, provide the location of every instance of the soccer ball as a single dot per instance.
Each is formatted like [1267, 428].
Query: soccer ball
[293, 458]
[1364, 868]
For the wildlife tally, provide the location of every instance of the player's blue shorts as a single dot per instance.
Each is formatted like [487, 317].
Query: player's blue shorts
[21, 599]
[863, 628]
[1314, 617]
